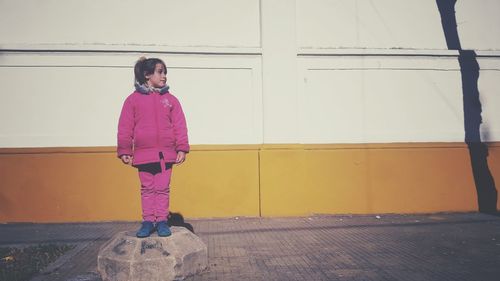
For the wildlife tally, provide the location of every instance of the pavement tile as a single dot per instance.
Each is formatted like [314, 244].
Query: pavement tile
[454, 246]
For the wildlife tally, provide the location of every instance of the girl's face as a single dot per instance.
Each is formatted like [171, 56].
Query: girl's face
[159, 77]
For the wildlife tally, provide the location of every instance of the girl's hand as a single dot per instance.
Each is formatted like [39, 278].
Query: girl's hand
[127, 159]
[181, 157]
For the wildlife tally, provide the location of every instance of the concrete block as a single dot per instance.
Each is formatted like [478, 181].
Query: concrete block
[126, 257]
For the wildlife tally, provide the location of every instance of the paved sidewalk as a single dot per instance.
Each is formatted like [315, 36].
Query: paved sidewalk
[458, 246]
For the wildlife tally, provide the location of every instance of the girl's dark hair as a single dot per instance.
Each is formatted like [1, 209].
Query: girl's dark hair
[145, 67]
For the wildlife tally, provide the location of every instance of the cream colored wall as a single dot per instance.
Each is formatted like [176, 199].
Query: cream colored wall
[379, 71]
[393, 24]
[117, 24]
[75, 99]
[477, 24]
[362, 24]
[489, 94]
[380, 100]
[246, 71]
[279, 69]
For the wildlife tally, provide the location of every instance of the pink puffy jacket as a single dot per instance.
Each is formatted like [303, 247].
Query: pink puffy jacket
[149, 124]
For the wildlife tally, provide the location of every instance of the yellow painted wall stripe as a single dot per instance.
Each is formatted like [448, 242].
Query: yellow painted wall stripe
[90, 183]
[218, 147]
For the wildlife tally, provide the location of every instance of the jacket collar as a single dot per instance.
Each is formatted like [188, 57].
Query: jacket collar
[145, 90]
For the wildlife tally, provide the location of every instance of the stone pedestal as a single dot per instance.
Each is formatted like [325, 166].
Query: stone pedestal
[126, 257]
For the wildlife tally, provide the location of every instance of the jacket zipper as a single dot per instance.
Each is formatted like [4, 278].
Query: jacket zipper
[156, 120]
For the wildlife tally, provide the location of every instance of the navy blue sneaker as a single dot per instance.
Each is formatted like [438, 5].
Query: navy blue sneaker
[146, 229]
[163, 229]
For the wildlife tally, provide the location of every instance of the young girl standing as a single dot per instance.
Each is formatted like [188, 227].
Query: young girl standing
[152, 136]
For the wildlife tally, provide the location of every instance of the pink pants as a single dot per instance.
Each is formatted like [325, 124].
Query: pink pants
[155, 192]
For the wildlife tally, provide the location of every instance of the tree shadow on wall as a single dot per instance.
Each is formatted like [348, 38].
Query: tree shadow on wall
[469, 69]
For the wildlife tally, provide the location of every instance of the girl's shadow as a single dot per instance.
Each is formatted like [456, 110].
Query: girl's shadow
[176, 219]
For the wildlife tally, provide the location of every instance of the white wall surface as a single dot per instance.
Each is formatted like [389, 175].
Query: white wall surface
[489, 93]
[74, 99]
[279, 55]
[246, 71]
[380, 99]
[394, 24]
[121, 23]
[369, 24]
[221, 97]
[478, 24]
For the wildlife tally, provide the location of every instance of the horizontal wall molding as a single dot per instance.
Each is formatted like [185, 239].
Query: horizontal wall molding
[229, 50]
[378, 62]
[374, 52]
[126, 60]
[115, 48]
[486, 53]
[112, 149]
[312, 52]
